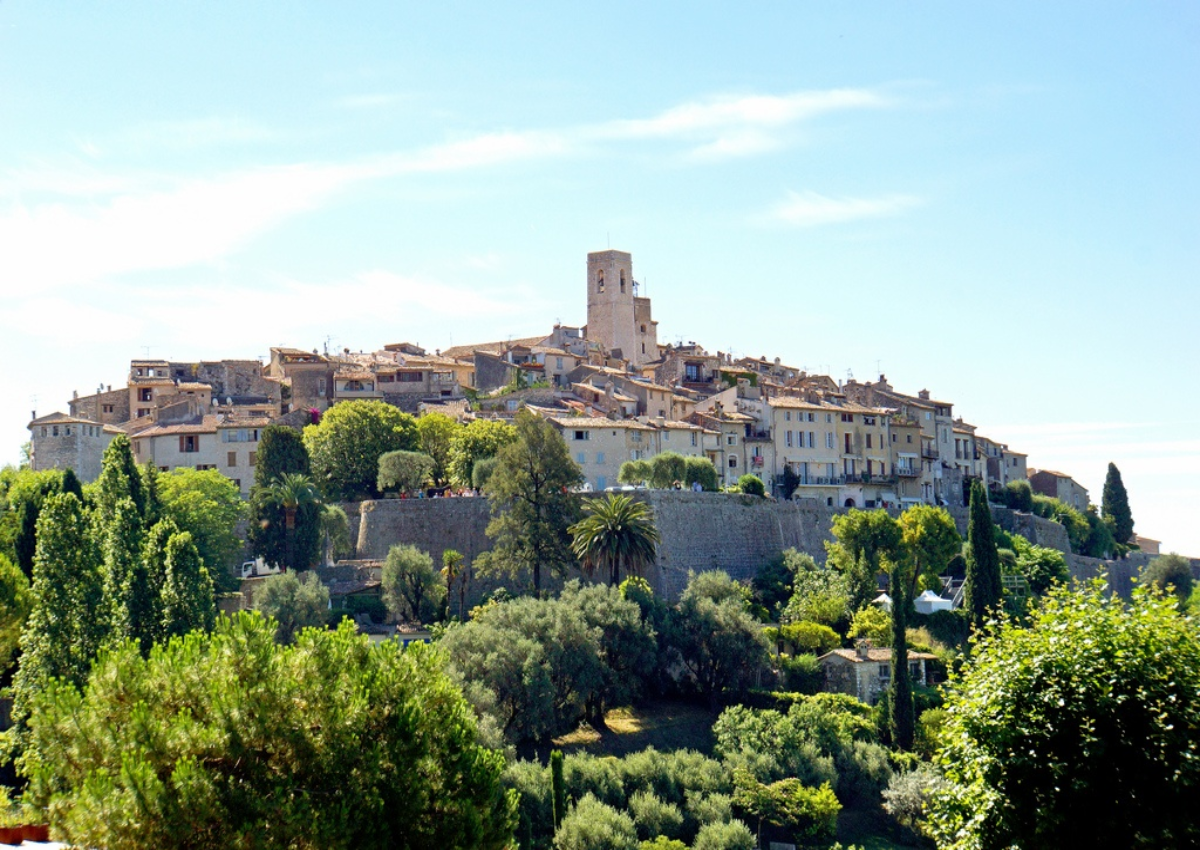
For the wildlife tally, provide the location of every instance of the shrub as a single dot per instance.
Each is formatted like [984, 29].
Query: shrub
[801, 674]
[751, 485]
[733, 835]
[907, 794]
[591, 825]
[810, 637]
[1018, 495]
[653, 817]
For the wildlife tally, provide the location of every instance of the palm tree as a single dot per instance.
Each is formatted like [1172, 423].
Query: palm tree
[617, 530]
[292, 491]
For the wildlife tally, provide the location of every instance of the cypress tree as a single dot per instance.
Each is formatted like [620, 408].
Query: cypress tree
[187, 593]
[149, 629]
[67, 623]
[70, 483]
[124, 570]
[154, 508]
[1115, 506]
[25, 542]
[119, 479]
[983, 585]
[559, 787]
[901, 710]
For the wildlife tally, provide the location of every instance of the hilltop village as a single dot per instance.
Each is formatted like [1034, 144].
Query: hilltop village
[612, 390]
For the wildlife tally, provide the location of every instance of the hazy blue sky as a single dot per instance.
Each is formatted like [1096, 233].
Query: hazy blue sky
[997, 203]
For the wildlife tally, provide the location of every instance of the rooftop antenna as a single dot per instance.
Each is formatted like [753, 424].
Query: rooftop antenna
[608, 238]
[146, 351]
[879, 366]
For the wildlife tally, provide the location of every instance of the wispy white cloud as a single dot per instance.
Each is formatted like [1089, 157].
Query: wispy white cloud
[810, 209]
[196, 133]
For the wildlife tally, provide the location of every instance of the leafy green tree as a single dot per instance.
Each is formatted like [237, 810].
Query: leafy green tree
[820, 594]
[187, 593]
[146, 617]
[983, 590]
[345, 446]
[295, 494]
[15, 603]
[1040, 566]
[68, 622]
[930, 540]
[773, 585]
[730, 835]
[207, 505]
[1100, 542]
[332, 743]
[410, 586]
[482, 438]
[872, 623]
[294, 604]
[809, 813]
[1115, 506]
[634, 472]
[1171, 574]
[281, 451]
[815, 638]
[25, 495]
[862, 539]
[751, 485]
[436, 433]
[653, 816]
[456, 573]
[716, 638]
[1081, 730]
[700, 470]
[404, 471]
[666, 468]
[532, 506]
[616, 531]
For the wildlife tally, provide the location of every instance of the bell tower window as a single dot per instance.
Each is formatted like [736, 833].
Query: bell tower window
[622, 280]
[600, 280]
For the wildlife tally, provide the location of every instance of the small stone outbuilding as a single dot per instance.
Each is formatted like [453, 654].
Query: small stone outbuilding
[866, 671]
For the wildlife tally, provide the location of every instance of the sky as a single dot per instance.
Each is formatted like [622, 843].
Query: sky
[998, 202]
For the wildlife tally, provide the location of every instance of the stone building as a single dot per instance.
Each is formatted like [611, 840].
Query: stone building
[1059, 485]
[59, 441]
[617, 317]
[866, 671]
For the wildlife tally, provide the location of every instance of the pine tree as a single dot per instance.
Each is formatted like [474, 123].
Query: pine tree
[984, 587]
[67, 623]
[187, 594]
[1115, 506]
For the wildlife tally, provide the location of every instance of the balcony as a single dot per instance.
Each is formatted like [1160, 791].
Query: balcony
[758, 436]
[906, 472]
[929, 453]
[821, 481]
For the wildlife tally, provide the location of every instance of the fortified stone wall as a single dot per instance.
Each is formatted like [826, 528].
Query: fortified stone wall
[433, 525]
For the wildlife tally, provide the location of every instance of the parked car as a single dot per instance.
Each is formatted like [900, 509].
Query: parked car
[257, 567]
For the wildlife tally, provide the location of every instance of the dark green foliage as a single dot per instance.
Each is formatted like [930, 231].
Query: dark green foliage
[773, 586]
[436, 433]
[1100, 541]
[949, 627]
[790, 481]
[729, 835]
[151, 485]
[345, 446]
[1077, 525]
[803, 813]
[548, 663]
[983, 586]
[126, 581]
[1115, 506]
[26, 495]
[281, 452]
[801, 673]
[207, 505]
[634, 472]
[1079, 730]
[901, 711]
[592, 825]
[717, 640]
[1018, 495]
[751, 485]
[531, 503]
[482, 438]
[15, 602]
[864, 538]
[559, 787]
[296, 495]
[1041, 567]
[1170, 573]
[230, 740]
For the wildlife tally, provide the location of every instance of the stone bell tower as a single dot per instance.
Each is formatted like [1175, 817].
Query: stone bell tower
[616, 317]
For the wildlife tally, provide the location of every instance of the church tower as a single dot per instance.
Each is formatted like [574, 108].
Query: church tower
[616, 317]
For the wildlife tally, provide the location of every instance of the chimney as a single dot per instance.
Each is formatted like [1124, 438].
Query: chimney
[923, 394]
[863, 647]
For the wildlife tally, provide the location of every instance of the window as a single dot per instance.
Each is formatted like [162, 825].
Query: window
[599, 457]
[600, 280]
[582, 435]
[200, 467]
[787, 415]
[107, 408]
[829, 439]
[868, 441]
[731, 440]
[847, 417]
[812, 439]
[622, 280]
[253, 458]
[237, 482]
[885, 672]
[828, 418]
[67, 430]
[409, 377]
[601, 482]
[231, 458]
[732, 462]
[581, 458]
[387, 379]
[188, 443]
[847, 444]
[909, 438]
[693, 438]
[320, 386]
[143, 411]
[643, 328]
[868, 420]
[146, 394]
[666, 435]
[558, 363]
[789, 439]
[54, 430]
[893, 438]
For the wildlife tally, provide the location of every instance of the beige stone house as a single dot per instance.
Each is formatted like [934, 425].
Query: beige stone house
[1059, 485]
[866, 671]
[59, 441]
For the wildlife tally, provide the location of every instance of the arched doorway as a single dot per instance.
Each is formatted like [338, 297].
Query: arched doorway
[849, 503]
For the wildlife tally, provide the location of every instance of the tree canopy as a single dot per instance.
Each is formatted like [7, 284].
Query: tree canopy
[532, 503]
[207, 505]
[281, 452]
[436, 433]
[1082, 730]
[1114, 506]
[345, 446]
[230, 739]
[410, 586]
[293, 603]
[616, 531]
[403, 471]
[482, 438]
[983, 590]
